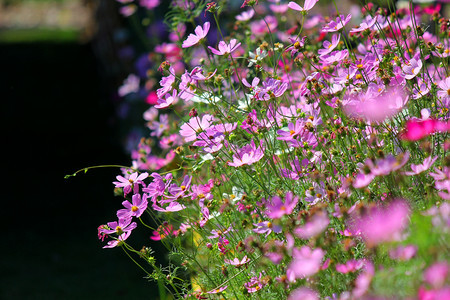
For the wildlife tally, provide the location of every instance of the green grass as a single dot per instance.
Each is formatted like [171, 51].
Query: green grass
[38, 35]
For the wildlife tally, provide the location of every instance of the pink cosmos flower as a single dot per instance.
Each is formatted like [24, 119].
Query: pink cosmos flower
[195, 125]
[245, 15]
[236, 262]
[366, 24]
[417, 129]
[350, 266]
[388, 164]
[313, 227]
[306, 262]
[119, 227]
[382, 224]
[267, 227]
[328, 47]
[417, 169]
[337, 25]
[200, 33]
[172, 207]
[166, 83]
[309, 4]
[149, 4]
[247, 155]
[168, 101]
[444, 88]
[255, 284]
[218, 290]
[403, 252]
[133, 181]
[412, 68]
[116, 242]
[362, 282]
[134, 209]
[276, 208]
[375, 107]
[224, 48]
[437, 274]
[303, 293]
[130, 85]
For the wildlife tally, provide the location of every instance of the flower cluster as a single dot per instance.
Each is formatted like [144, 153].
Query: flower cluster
[294, 155]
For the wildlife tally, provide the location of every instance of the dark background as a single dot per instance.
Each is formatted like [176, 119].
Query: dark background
[57, 116]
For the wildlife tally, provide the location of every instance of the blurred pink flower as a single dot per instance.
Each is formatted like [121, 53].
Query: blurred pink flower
[382, 224]
[437, 274]
[306, 262]
[303, 293]
[403, 252]
[314, 226]
[309, 4]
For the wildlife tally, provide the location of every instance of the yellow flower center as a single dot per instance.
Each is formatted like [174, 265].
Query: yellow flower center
[134, 208]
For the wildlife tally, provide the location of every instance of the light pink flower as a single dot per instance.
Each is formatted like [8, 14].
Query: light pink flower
[444, 87]
[168, 101]
[195, 125]
[245, 15]
[224, 48]
[366, 24]
[337, 25]
[328, 47]
[403, 252]
[303, 293]
[247, 155]
[412, 68]
[316, 225]
[236, 262]
[306, 262]
[200, 33]
[276, 208]
[350, 266]
[309, 4]
[131, 182]
[417, 169]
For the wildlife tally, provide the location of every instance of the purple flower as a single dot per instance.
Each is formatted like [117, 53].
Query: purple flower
[200, 33]
[366, 24]
[132, 182]
[158, 127]
[158, 186]
[118, 241]
[134, 209]
[328, 47]
[267, 227]
[412, 68]
[276, 208]
[337, 25]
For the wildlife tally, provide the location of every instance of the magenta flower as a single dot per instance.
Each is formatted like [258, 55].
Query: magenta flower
[134, 209]
[417, 129]
[200, 33]
[382, 224]
[224, 48]
[218, 290]
[247, 155]
[255, 284]
[276, 208]
[119, 227]
[132, 182]
[337, 25]
[166, 83]
[417, 169]
[309, 4]
[306, 262]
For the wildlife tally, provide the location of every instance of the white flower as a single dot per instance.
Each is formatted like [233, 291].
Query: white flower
[257, 57]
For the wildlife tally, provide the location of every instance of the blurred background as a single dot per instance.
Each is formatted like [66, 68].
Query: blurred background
[62, 62]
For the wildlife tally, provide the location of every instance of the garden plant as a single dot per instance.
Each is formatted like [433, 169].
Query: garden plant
[294, 151]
